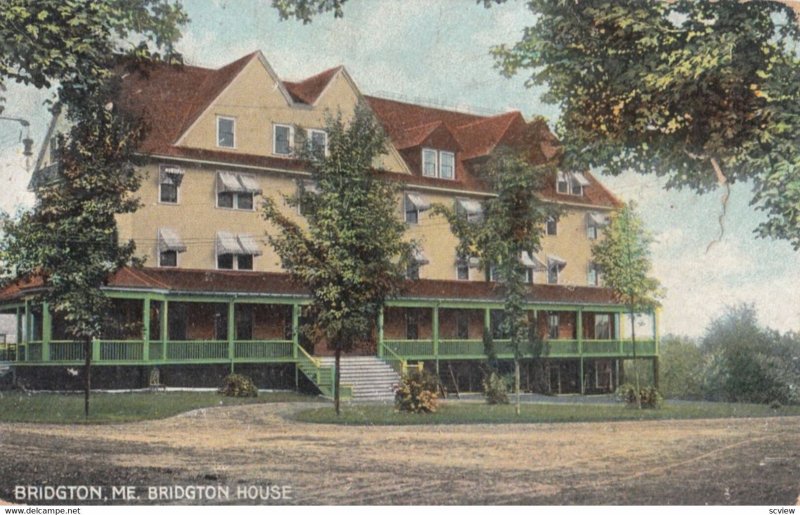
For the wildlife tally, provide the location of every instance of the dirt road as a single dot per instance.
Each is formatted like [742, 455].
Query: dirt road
[736, 461]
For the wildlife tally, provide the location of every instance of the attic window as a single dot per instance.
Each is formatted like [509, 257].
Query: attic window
[571, 183]
[226, 128]
[438, 163]
[447, 165]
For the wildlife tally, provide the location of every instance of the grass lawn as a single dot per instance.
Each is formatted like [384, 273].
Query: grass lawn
[120, 407]
[479, 413]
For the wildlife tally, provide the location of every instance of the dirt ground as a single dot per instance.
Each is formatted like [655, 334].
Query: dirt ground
[736, 461]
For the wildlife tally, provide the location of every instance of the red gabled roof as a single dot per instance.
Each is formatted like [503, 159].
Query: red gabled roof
[172, 97]
[308, 90]
[178, 280]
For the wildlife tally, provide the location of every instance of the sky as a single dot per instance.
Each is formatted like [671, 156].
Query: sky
[439, 52]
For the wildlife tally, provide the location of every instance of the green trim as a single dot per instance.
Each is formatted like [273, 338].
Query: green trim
[380, 333]
[164, 328]
[231, 333]
[47, 331]
[295, 329]
[146, 329]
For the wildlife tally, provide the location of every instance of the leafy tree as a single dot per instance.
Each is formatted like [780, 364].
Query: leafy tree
[70, 237]
[748, 363]
[681, 368]
[703, 92]
[512, 224]
[623, 256]
[351, 256]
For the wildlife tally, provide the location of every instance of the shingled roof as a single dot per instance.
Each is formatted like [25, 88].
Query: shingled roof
[172, 97]
[189, 281]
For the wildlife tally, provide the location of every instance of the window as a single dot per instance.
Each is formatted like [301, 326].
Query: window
[170, 178]
[169, 246]
[412, 326]
[220, 322]
[244, 321]
[552, 226]
[282, 140]
[429, 162]
[571, 183]
[494, 275]
[472, 210]
[447, 165]
[309, 191]
[593, 275]
[441, 164]
[462, 268]
[226, 128]
[554, 266]
[236, 252]
[412, 271]
[552, 326]
[594, 221]
[236, 191]
[318, 142]
[462, 325]
[413, 205]
[418, 259]
[168, 258]
[602, 326]
[529, 275]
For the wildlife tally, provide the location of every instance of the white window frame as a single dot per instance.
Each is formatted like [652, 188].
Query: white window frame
[558, 273]
[235, 206]
[465, 262]
[550, 327]
[591, 231]
[275, 139]
[232, 119]
[566, 182]
[608, 317]
[593, 270]
[441, 154]
[435, 162]
[406, 210]
[310, 135]
[547, 226]
[177, 189]
[235, 264]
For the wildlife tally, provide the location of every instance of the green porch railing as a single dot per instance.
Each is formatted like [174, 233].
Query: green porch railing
[66, 351]
[121, 350]
[399, 363]
[645, 347]
[156, 351]
[197, 350]
[322, 376]
[8, 351]
[449, 347]
[409, 348]
[34, 351]
[559, 348]
[263, 349]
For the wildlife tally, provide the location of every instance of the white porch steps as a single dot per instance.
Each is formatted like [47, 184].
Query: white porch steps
[372, 379]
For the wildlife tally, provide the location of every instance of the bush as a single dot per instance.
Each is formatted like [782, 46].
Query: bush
[649, 396]
[495, 388]
[238, 385]
[417, 393]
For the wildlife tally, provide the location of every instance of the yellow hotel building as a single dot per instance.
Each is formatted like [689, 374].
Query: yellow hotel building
[212, 296]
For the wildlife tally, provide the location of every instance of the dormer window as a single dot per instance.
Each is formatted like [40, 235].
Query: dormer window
[438, 163]
[226, 129]
[282, 140]
[571, 183]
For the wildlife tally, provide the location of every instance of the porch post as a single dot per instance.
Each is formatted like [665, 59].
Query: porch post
[146, 329]
[295, 329]
[487, 320]
[579, 334]
[380, 332]
[19, 334]
[46, 331]
[231, 332]
[435, 324]
[27, 323]
[164, 328]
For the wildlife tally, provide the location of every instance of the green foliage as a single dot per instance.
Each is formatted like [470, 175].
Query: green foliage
[417, 393]
[699, 91]
[648, 396]
[351, 256]
[238, 385]
[495, 388]
[681, 368]
[76, 45]
[305, 10]
[745, 362]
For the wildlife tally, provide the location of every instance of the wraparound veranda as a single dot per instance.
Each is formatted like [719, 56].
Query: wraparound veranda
[196, 326]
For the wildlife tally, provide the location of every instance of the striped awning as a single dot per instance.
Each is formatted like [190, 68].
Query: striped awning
[531, 261]
[229, 182]
[250, 245]
[580, 179]
[171, 175]
[469, 206]
[553, 260]
[250, 184]
[597, 219]
[168, 239]
[310, 187]
[419, 257]
[228, 243]
[418, 201]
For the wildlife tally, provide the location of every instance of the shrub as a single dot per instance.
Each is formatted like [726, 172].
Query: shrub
[649, 396]
[495, 388]
[417, 393]
[238, 385]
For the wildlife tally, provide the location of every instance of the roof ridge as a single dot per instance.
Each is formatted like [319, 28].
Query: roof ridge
[316, 75]
[509, 114]
[421, 106]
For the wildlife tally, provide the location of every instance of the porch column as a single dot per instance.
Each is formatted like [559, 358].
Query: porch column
[487, 320]
[435, 328]
[380, 332]
[295, 329]
[164, 328]
[27, 324]
[146, 330]
[618, 334]
[19, 333]
[47, 331]
[231, 332]
[579, 334]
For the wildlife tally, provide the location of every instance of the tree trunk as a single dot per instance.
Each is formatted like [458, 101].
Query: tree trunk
[87, 375]
[516, 383]
[635, 366]
[336, 379]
